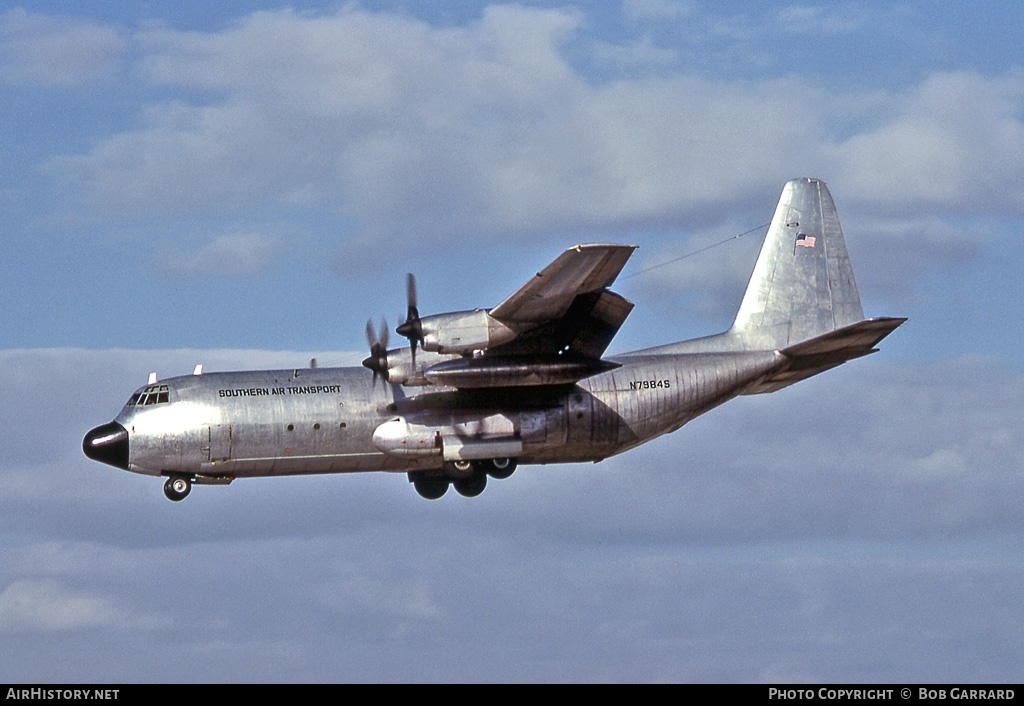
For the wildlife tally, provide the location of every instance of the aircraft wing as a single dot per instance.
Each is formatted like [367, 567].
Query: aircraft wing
[580, 270]
[551, 331]
[568, 304]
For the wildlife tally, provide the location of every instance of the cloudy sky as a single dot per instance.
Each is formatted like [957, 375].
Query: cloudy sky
[243, 184]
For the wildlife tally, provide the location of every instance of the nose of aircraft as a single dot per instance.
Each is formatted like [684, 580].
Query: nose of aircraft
[108, 444]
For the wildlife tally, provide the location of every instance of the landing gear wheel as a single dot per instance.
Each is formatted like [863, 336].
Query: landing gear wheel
[177, 488]
[431, 488]
[472, 485]
[462, 468]
[500, 468]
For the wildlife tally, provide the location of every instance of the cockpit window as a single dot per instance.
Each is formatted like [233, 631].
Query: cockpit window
[153, 394]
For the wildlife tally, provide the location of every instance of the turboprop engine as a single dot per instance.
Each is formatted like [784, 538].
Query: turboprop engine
[463, 332]
[457, 332]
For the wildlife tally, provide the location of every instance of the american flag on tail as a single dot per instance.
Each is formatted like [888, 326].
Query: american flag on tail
[805, 241]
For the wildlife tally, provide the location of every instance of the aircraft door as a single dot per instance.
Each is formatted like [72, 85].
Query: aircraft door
[220, 442]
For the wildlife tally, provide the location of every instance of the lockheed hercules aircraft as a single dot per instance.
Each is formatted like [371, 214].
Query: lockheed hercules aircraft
[477, 393]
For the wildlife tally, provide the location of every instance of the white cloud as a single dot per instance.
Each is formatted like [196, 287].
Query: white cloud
[628, 57]
[234, 254]
[42, 50]
[47, 606]
[483, 128]
[830, 19]
[954, 144]
[414, 133]
[656, 10]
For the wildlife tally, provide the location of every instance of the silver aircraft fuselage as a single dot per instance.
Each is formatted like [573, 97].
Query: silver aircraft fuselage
[219, 426]
[323, 420]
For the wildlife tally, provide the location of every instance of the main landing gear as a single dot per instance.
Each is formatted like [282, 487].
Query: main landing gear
[468, 477]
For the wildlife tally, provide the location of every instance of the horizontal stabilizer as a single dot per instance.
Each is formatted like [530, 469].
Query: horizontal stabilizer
[828, 351]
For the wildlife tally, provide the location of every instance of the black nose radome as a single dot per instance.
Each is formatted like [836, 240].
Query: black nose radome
[108, 444]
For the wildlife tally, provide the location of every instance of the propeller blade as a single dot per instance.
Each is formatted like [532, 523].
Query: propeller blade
[410, 292]
[377, 361]
[412, 328]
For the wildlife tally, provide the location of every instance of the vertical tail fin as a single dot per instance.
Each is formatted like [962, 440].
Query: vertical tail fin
[802, 299]
[803, 284]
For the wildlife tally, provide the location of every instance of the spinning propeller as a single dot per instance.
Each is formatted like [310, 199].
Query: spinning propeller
[412, 328]
[378, 358]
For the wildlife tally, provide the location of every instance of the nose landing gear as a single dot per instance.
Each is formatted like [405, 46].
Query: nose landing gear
[177, 488]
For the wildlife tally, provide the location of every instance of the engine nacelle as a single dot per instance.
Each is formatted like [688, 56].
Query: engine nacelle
[463, 332]
[403, 373]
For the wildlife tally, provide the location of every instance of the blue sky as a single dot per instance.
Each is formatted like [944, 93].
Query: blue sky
[245, 184]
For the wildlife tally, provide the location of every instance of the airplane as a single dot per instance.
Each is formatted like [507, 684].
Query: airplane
[478, 393]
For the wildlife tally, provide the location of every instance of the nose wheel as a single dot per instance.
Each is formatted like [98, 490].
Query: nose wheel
[177, 488]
